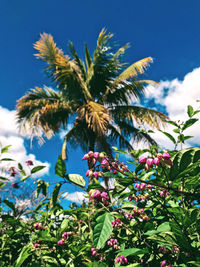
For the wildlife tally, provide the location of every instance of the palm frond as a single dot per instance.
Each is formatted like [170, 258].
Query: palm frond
[65, 72]
[78, 61]
[140, 115]
[116, 136]
[133, 134]
[47, 48]
[96, 116]
[133, 70]
[43, 110]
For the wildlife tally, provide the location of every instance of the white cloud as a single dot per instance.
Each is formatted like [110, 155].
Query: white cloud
[77, 197]
[175, 96]
[9, 135]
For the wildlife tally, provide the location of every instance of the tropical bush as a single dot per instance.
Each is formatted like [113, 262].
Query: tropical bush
[149, 216]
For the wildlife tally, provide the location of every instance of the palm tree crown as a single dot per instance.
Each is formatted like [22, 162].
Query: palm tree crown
[98, 92]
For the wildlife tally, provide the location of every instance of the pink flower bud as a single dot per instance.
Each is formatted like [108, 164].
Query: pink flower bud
[85, 157]
[104, 195]
[96, 155]
[104, 162]
[101, 258]
[163, 264]
[87, 173]
[147, 167]
[114, 171]
[90, 154]
[94, 161]
[15, 185]
[142, 186]
[142, 159]
[96, 194]
[156, 161]
[36, 245]
[166, 155]
[159, 155]
[60, 242]
[96, 174]
[149, 161]
[29, 162]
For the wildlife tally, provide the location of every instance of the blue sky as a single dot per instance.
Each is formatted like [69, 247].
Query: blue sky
[168, 31]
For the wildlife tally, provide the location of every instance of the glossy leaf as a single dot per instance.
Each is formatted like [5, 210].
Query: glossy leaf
[37, 169]
[102, 230]
[76, 179]
[55, 194]
[60, 168]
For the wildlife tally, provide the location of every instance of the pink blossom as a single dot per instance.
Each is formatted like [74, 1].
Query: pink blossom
[101, 258]
[85, 157]
[156, 161]
[142, 159]
[166, 155]
[96, 174]
[163, 264]
[149, 161]
[60, 242]
[29, 162]
[36, 245]
[96, 155]
[104, 195]
[96, 194]
[159, 155]
[90, 154]
[15, 185]
[114, 171]
[104, 162]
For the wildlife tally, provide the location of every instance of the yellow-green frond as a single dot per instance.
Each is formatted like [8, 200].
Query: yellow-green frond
[47, 48]
[96, 116]
[133, 70]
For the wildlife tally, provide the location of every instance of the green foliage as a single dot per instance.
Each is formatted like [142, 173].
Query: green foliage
[150, 214]
[102, 229]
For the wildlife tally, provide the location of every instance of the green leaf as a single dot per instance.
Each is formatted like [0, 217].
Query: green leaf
[5, 149]
[164, 227]
[176, 131]
[9, 204]
[102, 230]
[37, 169]
[4, 178]
[170, 137]
[172, 123]
[60, 168]
[64, 224]
[24, 178]
[182, 161]
[20, 166]
[76, 179]
[189, 123]
[24, 254]
[190, 111]
[95, 264]
[133, 252]
[147, 175]
[55, 194]
[180, 236]
[7, 159]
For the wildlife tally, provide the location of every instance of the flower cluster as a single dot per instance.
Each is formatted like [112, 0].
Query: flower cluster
[113, 243]
[138, 197]
[94, 157]
[117, 223]
[98, 196]
[142, 186]
[29, 162]
[13, 171]
[121, 259]
[164, 193]
[66, 234]
[140, 214]
[38, 226]
[163, 158]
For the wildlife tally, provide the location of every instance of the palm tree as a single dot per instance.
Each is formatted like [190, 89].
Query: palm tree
[96, 94]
